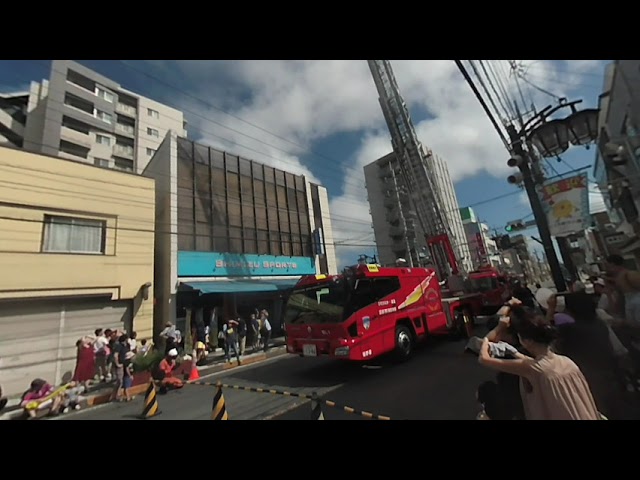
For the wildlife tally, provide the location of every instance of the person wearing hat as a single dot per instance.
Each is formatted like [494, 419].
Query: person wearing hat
[167, 366]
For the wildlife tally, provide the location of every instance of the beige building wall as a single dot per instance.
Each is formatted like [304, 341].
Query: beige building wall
[163, 167]
[49, 300]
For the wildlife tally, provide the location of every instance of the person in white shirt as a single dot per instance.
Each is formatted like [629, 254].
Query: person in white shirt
[265, 329]
[101, 351]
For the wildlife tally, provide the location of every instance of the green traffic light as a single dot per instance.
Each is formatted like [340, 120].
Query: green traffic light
[508, 228]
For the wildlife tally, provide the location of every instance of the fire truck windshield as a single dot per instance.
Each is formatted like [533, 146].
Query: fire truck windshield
[484, 284]
[324, 303]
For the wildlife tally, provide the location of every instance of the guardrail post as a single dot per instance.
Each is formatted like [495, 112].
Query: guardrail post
[316, 409]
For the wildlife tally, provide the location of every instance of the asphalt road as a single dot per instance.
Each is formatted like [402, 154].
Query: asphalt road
[439, 382]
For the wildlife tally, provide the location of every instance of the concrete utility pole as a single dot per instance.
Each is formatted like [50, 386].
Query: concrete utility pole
[536, 206]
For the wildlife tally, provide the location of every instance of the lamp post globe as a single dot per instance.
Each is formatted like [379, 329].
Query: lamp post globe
[582, 126]
[551, 138]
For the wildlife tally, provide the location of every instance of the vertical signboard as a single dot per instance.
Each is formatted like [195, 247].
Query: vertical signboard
[566, 203]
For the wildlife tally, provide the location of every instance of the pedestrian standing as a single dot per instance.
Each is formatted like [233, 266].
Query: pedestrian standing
[230, 330]
[242, 335]
[265, 329]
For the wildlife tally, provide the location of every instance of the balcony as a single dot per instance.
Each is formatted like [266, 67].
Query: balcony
[123, 151]
[126, 109]
[125, 129]
[74, 136]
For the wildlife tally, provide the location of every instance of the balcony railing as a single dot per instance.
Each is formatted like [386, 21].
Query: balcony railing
[127, 109]
[123, 151]
[126, 129]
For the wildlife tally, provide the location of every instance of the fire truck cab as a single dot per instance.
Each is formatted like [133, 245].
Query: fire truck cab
[492, 285]
[370, 310]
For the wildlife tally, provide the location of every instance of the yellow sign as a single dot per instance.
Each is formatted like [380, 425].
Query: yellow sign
[321, 277]
[373, 268]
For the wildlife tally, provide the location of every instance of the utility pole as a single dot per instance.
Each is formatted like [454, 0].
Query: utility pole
[536, 206]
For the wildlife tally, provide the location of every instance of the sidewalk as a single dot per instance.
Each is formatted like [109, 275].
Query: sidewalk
[100, 394]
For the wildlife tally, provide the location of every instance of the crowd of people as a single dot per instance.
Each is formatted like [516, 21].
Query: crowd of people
[535, 347]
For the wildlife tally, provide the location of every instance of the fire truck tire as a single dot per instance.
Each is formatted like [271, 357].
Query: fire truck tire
[404, 342]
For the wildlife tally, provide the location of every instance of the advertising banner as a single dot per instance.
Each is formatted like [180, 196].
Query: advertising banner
[566, 203]
[212, 264]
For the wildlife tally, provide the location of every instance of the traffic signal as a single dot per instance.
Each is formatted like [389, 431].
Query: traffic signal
[515, 226]
[514, 162]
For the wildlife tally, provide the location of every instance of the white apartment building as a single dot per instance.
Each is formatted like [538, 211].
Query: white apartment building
[81, 115]
[395, 226]
[482, 247]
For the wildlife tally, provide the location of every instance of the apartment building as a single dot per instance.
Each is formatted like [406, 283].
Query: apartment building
[76, 254]
[81, 115]
[482, 247]
[617, 164]
[233, 234]
[395, 225]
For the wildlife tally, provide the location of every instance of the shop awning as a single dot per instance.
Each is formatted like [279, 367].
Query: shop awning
[241, 286]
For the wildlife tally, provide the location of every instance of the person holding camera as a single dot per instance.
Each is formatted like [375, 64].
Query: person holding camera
[552, 386]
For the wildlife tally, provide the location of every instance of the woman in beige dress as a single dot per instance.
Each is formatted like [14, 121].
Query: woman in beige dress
[551, 385]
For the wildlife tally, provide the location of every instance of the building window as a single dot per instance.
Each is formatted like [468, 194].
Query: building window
[104, 94]
[101, 162]
[153, 132]
[73, 235]
[124, 164]
[153, 113]
[150, 151]
[103, 140]
[104, 116]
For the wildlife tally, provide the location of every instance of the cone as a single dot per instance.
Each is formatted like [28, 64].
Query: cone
[219, 409]
[195, 374]
[316, 409]
[151, 408]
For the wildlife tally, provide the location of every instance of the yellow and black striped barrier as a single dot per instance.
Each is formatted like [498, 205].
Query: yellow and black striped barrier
[151, 407]
[219, 409]
[316, 402]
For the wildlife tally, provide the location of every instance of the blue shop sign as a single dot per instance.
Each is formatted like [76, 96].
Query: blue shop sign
[211, 264]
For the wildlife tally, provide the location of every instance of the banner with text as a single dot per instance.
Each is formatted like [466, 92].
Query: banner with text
[213, 264]
[566, 203]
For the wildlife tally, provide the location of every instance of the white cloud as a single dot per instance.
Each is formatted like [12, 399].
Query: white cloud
[304, 101]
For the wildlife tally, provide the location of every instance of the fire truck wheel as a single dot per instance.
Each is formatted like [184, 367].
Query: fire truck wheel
[404, 342]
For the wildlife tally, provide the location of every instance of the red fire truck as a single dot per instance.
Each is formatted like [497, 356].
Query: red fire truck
[492, 285]
[370, 310]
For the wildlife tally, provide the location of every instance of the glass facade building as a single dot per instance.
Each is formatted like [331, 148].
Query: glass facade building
[230, 204]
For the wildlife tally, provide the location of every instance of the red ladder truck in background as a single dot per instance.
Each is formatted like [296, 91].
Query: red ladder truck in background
[368, 311]
[492, 285]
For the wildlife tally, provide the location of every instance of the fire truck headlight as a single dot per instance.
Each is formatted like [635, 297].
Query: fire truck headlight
[341, 351]
[366, 322]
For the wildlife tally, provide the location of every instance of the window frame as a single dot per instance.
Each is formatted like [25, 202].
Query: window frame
[46, 229]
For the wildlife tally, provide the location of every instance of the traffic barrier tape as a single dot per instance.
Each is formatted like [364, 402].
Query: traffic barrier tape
[329, 403]
[254, 389]
[362, 413]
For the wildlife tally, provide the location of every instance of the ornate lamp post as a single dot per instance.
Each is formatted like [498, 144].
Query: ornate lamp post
[551, 138]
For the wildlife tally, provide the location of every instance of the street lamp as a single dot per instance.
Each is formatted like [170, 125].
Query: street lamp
[554, 137]
[550, 138]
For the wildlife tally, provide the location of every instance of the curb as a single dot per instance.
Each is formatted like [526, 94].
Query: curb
[101, 398]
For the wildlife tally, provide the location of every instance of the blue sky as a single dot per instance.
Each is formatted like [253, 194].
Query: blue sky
[322, 119]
